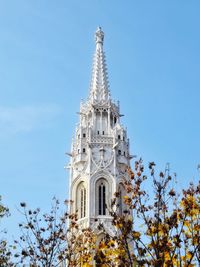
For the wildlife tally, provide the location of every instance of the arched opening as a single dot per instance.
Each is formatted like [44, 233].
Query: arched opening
[102, 199]
[121, 205]
[81, 200]
[101, 196]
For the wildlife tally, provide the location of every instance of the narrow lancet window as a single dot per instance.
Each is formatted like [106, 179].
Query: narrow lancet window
[99, 200]
[102, 199]
[81, 200]
[120, 199]
[120, 203]
[83, 203]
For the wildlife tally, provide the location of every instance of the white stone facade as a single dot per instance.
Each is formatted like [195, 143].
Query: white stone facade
[100, 150]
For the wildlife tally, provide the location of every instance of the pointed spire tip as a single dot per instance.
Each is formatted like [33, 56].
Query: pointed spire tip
[99, 88]
[99, 35]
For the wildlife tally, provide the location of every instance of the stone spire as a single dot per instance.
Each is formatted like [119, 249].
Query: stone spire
[99, 88]
[100, 153]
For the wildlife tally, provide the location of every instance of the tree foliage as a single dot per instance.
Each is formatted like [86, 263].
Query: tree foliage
[158, 227]
[5, 252]
[50, 240]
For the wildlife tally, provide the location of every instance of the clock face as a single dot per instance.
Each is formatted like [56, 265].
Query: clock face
[102, 157]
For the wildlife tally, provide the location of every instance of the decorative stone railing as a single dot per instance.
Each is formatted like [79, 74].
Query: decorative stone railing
[100, 139]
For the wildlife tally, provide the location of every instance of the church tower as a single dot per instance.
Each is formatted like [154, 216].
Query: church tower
[100, 150]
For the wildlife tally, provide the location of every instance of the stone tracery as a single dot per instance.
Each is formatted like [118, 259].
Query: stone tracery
[95, 158]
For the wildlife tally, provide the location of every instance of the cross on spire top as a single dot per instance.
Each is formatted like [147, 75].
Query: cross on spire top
[99, 35]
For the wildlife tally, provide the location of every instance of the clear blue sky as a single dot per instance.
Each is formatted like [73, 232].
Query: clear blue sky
[46, 49]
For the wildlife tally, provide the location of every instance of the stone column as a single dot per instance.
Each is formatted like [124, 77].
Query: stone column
[109, 121]
[101, 122]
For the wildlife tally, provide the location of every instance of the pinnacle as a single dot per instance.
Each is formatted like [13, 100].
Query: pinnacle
[99, 88]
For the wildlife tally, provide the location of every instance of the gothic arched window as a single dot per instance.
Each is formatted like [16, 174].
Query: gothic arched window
[121, 204]
[101, 196]
[102, 199]
[81, 200]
